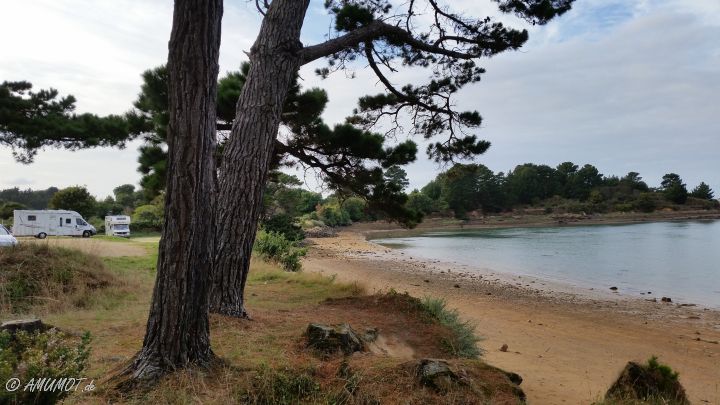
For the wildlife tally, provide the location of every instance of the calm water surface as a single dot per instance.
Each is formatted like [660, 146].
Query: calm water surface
[676, 259]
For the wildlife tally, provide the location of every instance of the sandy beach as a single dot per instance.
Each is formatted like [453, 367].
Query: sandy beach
[567, 343]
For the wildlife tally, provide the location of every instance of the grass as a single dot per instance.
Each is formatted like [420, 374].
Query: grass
[464, 340]
[38, 278]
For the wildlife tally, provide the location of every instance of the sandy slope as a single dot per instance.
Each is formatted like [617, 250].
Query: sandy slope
[567, 346]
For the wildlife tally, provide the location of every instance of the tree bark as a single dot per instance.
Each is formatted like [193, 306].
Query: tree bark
[178, 329]
[274, 61]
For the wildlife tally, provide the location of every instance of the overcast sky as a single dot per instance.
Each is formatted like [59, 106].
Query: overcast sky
[627, 85]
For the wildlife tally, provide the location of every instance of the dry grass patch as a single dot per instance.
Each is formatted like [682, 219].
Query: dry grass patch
[42, 279]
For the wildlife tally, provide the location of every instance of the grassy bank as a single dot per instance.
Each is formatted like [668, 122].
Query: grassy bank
[265, 360]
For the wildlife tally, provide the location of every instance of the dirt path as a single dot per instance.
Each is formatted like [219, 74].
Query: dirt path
[99, 247]
[567, 348]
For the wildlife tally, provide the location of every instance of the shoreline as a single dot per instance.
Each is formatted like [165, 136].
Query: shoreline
[535, 316]
[381, 229]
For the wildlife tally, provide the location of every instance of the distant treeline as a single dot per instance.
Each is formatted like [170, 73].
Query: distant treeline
[466, 188]
[34, 199]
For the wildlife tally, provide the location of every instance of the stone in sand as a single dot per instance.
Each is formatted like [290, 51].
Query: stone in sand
[27, 325]
[329, 339]
[436, 374]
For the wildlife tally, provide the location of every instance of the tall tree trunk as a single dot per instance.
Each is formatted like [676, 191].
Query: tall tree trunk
[274, 62]
[178, 329]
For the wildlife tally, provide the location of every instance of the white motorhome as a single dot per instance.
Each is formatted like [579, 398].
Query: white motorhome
[117, 225]
[44, 223]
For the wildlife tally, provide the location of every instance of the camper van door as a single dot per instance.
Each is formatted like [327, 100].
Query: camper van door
[54, 224]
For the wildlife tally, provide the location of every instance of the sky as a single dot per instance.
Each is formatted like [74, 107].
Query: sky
[626, 85]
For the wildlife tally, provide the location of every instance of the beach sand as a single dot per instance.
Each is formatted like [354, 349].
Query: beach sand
[568, 344]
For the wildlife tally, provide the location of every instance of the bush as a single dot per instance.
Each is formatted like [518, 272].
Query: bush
[464, 341]
[355, 208]
[650, 383]
[334, 216]
[285, 225]
[275, 247]
[148, 218]
[645, 203]
[51, 355]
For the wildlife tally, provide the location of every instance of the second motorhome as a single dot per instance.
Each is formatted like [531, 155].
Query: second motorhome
[44, 223]
[117, 225]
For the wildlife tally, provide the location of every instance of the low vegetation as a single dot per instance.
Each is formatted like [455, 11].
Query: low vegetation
[51, 355]
[272, 365]
[275, 247]
[39, 278]
[464, 341]
[652, 383]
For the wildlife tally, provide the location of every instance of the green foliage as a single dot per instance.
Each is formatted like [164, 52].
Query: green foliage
[646, 202]
[148, 217]
[333, 215]
[464, 341]
[674, 189]
[108, 206]
[50, 355]
[470, 187]
[666, 372]
[396, 176]
[567, 188]
[348, 158]
[7, 208]
[275, 247]
[33, 199]
[30, 121]
[125, 195]
[284, 225]
[76, 198]
[283, 195]
[355, 208]
[703, 192]
[420, 202]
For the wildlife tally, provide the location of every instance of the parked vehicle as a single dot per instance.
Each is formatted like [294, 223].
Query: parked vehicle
[6, 238]
[44, 223]
[117, 225]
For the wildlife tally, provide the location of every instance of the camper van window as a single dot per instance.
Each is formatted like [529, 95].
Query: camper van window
[68, 221]
[3, 231]
[31, 217]
[79, 221]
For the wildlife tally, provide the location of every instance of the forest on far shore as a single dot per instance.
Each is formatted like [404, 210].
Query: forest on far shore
[457, 192]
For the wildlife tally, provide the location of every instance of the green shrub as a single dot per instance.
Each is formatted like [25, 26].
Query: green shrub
[285, 225]
[51, 355]
[464, 341]
[334, 216]
[645, 203]
[275, 247]
[355, 208]
[148, 218]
